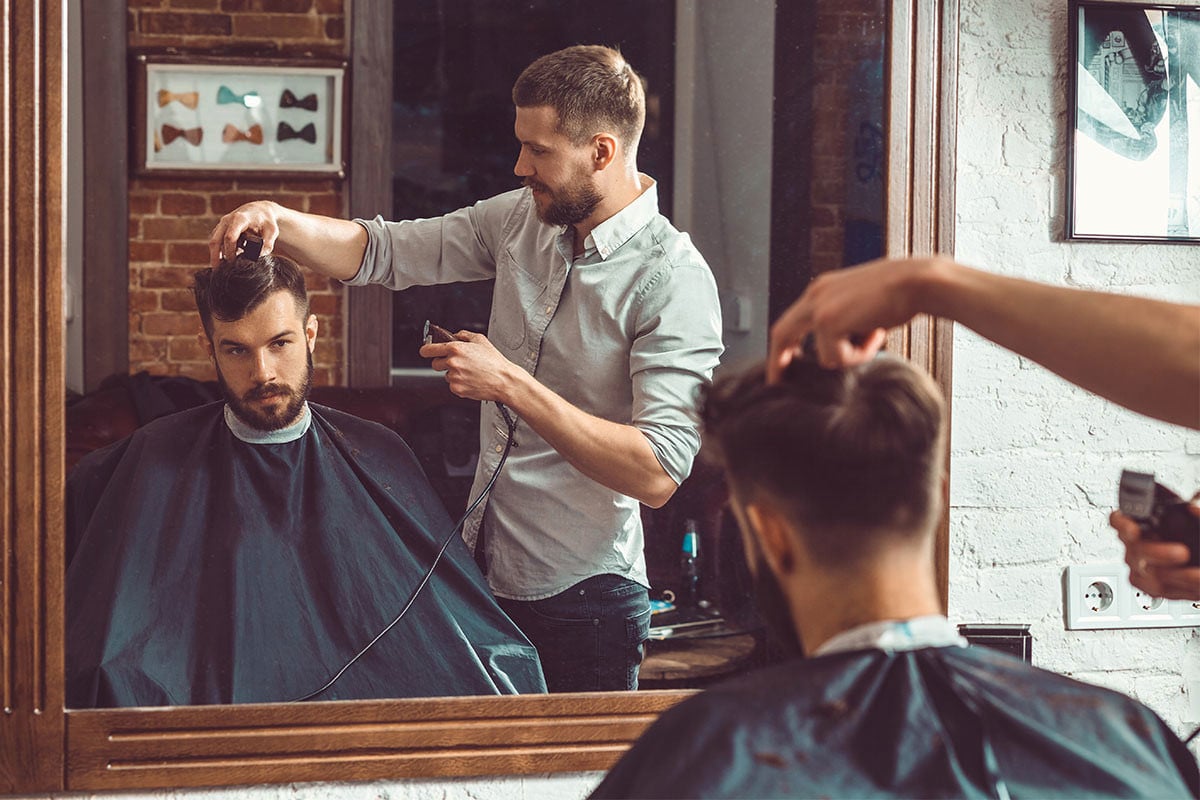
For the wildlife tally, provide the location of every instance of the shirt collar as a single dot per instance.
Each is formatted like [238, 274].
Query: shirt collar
[895, 635]
[251, 435]
[618, 229]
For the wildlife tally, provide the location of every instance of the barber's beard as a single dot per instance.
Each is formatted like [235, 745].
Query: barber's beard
[774, 610]
[265, 419]
[570, 204]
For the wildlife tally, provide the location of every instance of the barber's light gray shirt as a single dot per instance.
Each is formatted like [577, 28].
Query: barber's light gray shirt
[628, 332]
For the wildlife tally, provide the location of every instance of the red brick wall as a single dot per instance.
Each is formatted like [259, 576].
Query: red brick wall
[170, 219]
[847, 34]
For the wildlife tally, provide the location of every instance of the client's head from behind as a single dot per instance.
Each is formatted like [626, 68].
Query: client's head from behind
[835, 478]
[260, 335]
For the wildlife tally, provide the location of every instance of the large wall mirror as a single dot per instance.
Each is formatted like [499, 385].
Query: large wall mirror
[904, 145]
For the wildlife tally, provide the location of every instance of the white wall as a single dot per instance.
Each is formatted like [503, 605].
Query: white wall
[1035, 461]
[725, 65]
[73, 295]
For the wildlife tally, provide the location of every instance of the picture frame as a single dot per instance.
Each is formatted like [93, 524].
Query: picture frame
[1133, 167]
[281, 117]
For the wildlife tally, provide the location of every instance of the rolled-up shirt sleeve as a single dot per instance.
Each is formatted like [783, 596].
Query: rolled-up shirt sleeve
[459, 246]
[675, 350]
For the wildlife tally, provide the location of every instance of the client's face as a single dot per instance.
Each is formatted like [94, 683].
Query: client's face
[264, 362]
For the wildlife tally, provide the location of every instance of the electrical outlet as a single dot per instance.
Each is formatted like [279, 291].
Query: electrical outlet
[1189, 610]
[1100, 596]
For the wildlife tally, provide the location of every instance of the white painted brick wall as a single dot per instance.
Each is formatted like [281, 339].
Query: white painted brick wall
[1035, 461]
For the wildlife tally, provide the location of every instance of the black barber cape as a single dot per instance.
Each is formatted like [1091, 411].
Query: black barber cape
[934, 722]
[203, 569]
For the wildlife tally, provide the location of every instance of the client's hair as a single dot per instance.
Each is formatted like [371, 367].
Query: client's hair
[852, 457]
[234, 289]
[591, 88]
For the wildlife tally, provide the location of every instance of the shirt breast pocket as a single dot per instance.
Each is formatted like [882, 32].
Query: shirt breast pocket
[519, 304]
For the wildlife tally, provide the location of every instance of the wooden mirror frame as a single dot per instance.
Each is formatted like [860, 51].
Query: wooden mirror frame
[45, 748]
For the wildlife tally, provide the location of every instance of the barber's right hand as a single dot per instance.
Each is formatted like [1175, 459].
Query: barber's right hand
[848, 311]
[1157, 568]
[260, 217]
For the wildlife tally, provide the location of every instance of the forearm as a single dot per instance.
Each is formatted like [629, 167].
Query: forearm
[612, 454]
[1143, 354]
[332, 247]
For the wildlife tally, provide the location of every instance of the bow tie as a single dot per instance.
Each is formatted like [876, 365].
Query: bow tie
[192, 135]
[189, 99]
[249, 99]
[288, 100]
[232, 134]
[308, 133]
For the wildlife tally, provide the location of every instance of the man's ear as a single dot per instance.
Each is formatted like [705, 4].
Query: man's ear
[310, 331]
[778, 544]
[206, 344]
[604, 150]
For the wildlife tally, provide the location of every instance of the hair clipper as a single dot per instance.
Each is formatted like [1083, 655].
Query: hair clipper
[435, 334]
[1163, 515]
[249, 246]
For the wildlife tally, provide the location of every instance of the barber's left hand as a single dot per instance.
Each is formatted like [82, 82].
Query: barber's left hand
[474, 368]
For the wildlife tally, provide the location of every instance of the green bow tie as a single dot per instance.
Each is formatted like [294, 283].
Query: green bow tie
[227, 95]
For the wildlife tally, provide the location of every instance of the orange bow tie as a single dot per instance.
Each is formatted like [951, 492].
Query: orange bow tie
[193, 136]
[189, 99]
[232, 134]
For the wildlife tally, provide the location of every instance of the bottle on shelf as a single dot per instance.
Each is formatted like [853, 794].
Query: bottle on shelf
[689, 567]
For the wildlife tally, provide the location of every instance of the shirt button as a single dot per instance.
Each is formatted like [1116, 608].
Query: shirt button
[499, 448]
[549, 309]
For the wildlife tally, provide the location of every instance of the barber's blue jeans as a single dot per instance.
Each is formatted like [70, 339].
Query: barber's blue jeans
[590, 636]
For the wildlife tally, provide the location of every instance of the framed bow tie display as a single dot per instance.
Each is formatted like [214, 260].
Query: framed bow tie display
[217, 115]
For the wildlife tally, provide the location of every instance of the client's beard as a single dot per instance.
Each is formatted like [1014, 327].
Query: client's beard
[266, 420]
[774, 610]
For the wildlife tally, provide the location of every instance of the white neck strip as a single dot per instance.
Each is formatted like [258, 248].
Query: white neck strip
[896, 635]
[252, 435]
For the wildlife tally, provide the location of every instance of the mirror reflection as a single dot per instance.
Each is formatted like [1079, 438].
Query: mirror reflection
[247, 550]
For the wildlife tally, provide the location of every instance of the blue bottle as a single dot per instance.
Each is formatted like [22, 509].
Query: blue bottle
[689, 567]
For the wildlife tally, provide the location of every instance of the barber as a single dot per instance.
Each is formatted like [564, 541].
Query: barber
[1140, 353]
[605, 323]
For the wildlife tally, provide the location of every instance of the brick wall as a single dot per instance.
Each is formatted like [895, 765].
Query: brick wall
[170, 219]
[847, 56]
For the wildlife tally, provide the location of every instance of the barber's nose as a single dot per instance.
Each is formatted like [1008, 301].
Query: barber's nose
[521, 168]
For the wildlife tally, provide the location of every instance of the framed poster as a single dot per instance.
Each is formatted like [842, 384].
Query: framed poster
[219, 116]
[1134, 151]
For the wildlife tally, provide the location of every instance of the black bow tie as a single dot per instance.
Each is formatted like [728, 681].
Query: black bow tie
[289, 100]
[308, 133]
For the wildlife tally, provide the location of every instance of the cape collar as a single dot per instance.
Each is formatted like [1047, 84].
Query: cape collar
[251, 435]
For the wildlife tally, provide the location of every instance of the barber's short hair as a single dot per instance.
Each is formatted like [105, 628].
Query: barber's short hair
[234, 289]
[592, 89]
[852, 457]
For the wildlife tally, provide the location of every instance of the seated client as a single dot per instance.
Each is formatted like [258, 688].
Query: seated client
[836, 479]
[245, 550]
